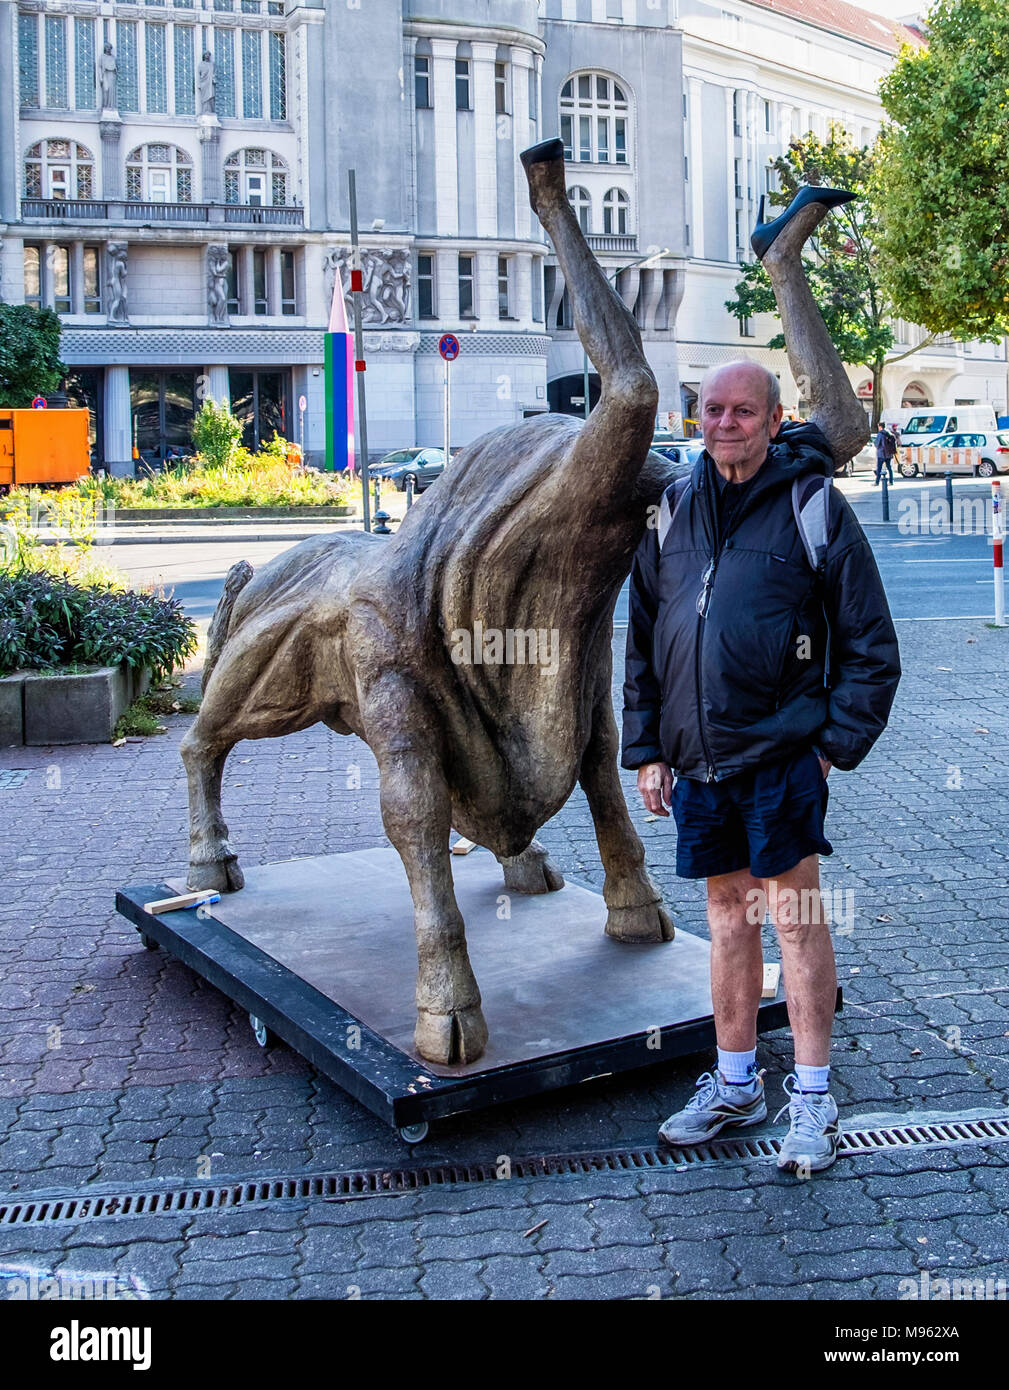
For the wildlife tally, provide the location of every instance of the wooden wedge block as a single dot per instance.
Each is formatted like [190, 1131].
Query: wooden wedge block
[182, 901]
[772, 974]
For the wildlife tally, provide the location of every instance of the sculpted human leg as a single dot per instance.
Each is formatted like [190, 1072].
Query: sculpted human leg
[812, 356]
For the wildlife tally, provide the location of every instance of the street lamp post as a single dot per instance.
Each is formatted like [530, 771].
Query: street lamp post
[643, 261]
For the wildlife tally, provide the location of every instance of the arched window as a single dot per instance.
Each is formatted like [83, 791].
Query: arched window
[59, 169]
[581, 205]
[616, 211]
[159, 174]
[594, 113]
[255, 177]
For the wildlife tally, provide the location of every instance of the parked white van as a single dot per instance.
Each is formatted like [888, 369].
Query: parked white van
[924, 425]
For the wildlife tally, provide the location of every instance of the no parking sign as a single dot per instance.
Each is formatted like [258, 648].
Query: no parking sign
[448, 346]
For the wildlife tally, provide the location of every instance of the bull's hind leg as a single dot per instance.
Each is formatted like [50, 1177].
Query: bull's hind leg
[635, 911]
[416, 812]
[532, 871]
[211, 862]
[259, 688]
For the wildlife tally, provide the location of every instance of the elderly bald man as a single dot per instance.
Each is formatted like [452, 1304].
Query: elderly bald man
[726, 682]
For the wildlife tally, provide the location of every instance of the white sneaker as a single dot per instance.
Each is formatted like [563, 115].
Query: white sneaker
[813, 1132]
[716, 1105]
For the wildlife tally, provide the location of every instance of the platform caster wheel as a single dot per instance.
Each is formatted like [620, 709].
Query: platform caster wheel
[260, 1031]
[148, 942]
[414, 1134]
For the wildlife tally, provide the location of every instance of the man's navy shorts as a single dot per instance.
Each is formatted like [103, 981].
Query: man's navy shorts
[765, 819]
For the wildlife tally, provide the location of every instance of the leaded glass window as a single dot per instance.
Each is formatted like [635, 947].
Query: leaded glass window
[278, 189]
[84, 64]
[33, 276]
[231, 186]
[127, 94]
[251, 174]
[224, 59]
[157, 72]
[275, 7]
[185, 71]
[33, 178]
[252, 7]
[226, 5]
[28, 59]
[252, 75]
[183, 4]
[278, 77]
[159, 173]
[56, 61]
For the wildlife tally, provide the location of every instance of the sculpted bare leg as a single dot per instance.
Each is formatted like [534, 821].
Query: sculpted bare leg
[812, 356]
[417, 814]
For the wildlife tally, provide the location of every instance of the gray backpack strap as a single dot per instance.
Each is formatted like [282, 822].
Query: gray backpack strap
[811, 508]
[667, 516]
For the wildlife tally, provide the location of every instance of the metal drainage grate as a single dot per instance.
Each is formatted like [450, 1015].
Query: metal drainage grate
[377, 1182]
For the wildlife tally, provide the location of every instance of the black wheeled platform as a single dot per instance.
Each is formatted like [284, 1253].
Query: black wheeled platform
[321, 952]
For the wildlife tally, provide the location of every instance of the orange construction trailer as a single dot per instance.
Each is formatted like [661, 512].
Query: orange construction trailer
[43, 446]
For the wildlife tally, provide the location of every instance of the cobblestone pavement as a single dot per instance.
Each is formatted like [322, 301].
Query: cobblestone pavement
[156, 1077]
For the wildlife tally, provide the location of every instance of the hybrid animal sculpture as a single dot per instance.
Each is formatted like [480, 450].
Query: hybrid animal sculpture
[531, 530]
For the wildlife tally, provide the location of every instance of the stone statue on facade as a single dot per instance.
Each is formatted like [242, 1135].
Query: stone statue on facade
[385, 277]
[218, 262]
[206, 83]
[525, 539]
[117, 252]
[107, 69]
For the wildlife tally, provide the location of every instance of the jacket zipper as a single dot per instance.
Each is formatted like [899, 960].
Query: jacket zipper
[702, 609]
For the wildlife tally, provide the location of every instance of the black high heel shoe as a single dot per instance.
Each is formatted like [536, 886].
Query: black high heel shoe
[764, 233]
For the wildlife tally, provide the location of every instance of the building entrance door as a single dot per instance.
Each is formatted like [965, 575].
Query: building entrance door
[162, 407]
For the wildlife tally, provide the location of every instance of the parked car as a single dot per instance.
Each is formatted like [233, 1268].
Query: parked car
[678, 450]
[993, 446]
[423, 465]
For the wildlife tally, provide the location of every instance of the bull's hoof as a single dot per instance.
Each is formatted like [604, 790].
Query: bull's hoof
[532, 871]
[451, 1039]
[650, 922]
[220, 875]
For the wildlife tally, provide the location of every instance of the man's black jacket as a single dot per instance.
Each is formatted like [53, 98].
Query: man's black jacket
[744, 684]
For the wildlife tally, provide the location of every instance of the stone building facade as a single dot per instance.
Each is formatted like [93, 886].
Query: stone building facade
[174, 182]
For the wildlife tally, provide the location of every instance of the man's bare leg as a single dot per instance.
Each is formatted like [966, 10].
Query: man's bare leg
[737, 962]
[807, 957]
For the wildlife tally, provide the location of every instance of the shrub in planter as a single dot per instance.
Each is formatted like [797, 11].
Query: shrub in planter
[46, 621]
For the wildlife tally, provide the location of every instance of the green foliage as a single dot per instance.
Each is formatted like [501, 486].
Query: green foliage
[29, 354]
[216, 433]
[49, 621]
[942, 178]
[265, 479]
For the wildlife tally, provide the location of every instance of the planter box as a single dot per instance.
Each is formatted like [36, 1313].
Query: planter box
[78, 709]
[12, 724]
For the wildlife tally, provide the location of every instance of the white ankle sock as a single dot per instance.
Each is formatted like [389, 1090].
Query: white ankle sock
[812, 1078]
[738, 1068]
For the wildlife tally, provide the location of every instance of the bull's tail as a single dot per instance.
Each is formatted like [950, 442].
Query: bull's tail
[238, 576]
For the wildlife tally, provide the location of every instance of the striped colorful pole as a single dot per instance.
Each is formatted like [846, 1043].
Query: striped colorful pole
[338, 366]
[998, 536]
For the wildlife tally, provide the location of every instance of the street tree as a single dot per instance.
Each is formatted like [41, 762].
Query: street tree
[941, 183]
[841, 260]
[29, 354]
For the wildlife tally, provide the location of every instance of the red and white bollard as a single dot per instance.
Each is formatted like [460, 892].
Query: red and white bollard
[997, 537]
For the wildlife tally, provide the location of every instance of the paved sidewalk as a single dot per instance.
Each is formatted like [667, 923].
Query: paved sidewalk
[118, 1067]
